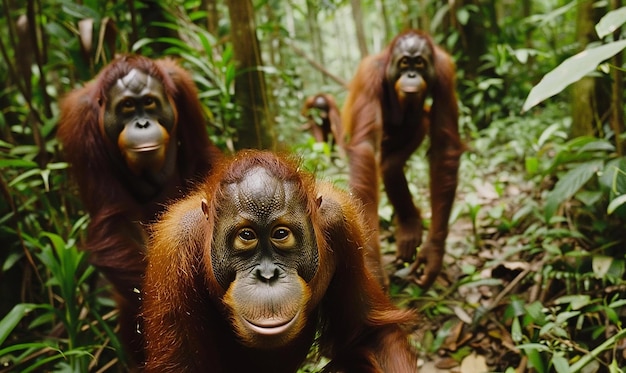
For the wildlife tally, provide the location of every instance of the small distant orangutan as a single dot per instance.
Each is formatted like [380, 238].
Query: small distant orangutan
[385, 119]
[262, 261]
[136, 138]
[323, 118]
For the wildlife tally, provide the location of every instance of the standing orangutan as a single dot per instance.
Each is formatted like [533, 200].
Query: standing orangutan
[323, 118]
[247, 272]
[136, 138]
[385, 119]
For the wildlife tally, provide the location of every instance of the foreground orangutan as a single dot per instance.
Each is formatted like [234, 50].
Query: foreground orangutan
[385, 119]
[136, 137]
[244, 272]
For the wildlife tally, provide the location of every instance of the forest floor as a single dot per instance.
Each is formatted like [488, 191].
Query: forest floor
[461, 327]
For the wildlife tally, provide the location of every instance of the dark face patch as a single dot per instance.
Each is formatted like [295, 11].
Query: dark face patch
[262, 222]
[140, 120]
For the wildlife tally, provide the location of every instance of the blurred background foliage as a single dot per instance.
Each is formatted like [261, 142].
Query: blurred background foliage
[534, 275]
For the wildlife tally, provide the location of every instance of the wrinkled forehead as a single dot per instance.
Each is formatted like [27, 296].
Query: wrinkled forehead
[261, 194]
[136, 82]
[410, 44]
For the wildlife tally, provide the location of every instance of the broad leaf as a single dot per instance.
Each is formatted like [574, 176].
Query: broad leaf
[611, 22]
[616, 203]
[569, 184]
[11, 319]
[570, 71]
[613, 177]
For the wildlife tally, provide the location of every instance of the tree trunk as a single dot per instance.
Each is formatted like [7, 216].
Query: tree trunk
[254, 127]
[617, 89]
[584, 102]
[423, 19]
[386, 23]
[473, 36]
[316, 37]
[152, 12]
[212, 16]
[527, 10]
[357, 16]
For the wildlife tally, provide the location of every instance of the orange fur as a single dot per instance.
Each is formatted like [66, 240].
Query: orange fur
[382, 129]
[188, 327]
[119, 211]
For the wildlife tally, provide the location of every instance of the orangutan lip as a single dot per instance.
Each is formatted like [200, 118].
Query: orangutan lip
[147, 148]
[410, 91]
[271, 327]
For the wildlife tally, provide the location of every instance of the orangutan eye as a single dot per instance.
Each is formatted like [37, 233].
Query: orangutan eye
[127, 105]
[149, 102]
[420, 62]
[283, 238]
[404, 63]
[246, 239]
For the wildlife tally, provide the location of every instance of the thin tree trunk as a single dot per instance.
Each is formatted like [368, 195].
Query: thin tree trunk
[254, 128]
[617, 88]
[584, 103]
[527, 9]
[212, 16]
[423, 18]
[383, 10]
[357, 15]
[316, 36]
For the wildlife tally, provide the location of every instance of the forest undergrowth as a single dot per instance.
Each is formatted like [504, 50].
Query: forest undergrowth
[517, 293]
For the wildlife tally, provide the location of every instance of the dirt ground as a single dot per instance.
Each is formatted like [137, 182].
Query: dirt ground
[461, 327]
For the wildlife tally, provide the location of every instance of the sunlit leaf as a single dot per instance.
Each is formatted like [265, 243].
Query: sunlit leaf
[85, 33]
[463, 15]
[18, 163]
[516, 330]
[532, 165]
[616, 203]
[576, 302]
[597, 145]
[611, 22]
[560, 363]
[570, 71]
[601, 265]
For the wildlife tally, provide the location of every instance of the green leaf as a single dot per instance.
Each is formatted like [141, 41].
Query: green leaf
[569, 184]
[532, 165]
[577, 302]
[553, 131]
[570, 71]
[560, 363]
[616, 203]
[533, 351]
[8, 323]
[20, 163]
[613, 177]
[611, 22]
[463, 15]
[597, 145]
[516, 330]
[589, 357]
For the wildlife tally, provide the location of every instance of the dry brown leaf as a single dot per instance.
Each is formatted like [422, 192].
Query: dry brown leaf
[450, 343]
[446, 363]
[474, 364]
